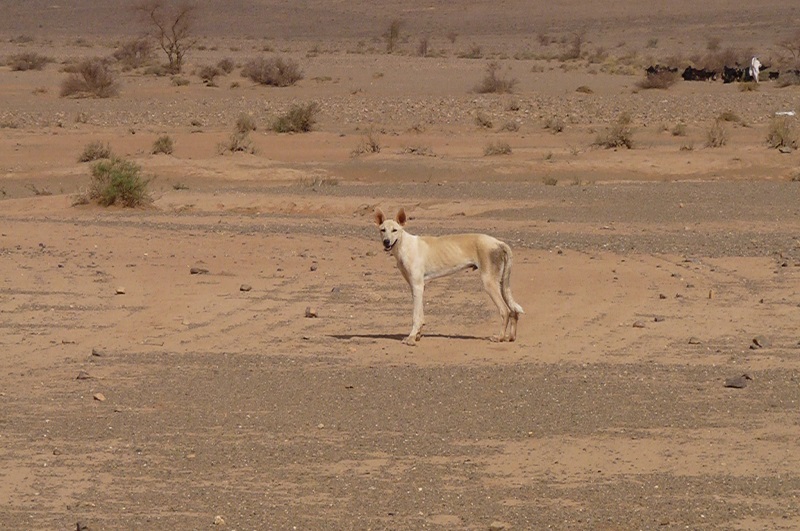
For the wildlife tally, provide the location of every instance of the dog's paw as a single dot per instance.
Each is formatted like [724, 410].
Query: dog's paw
[410, 341]
[498, 339]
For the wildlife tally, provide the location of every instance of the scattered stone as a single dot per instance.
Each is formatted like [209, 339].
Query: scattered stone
[198, 271]
[245, 287]
[120, 290]
[638, 324]
[371, 253]
[759, 342]
[658, 319]
[320, 426]
[313, 266]
[662, 296]
[311, 312]
[785, 149]
[499, 526]
[738, 382]
[98, 353]
[218, 520]
[83, 375]
[56, 451]
[100, 397]
[694, 341]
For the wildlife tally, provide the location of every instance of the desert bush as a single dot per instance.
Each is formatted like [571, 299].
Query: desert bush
[392, 35]
[583, 89]
[620, 134]
[273, 71]
[179, 81]
[494, 83]
[781, 133]
[94, 151]
[118, 181]
[164, 145]
[93, 79]
[554, 123]
[245, 123]
[549, 181]
[208, 73]
[298, 119]
[510, 126]
[575, 46]
[679, 129]
[226, 65]
[423, 47]
[789, 79]
[497, 148]
[717, 135]
[483, 121]
[134, 54]
[473, 53]
[729, 116]
[748, 86]
[660, 80]
[238, 142]
[370, 143]
[27, 61]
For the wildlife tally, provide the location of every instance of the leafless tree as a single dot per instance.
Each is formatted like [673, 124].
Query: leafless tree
[173, 26]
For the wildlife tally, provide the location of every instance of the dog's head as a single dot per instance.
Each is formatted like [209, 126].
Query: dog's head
[391, 229]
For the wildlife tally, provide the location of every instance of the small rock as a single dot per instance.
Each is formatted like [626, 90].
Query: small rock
[100, 397]
[56, 451]
[638, 324]
[313, 266]
[83, 375]
[311, 312]
[218, 520]
[98, 353]
[662, 296]
[694, 341]
[658, 319]
[371, 253]
[499, 526]
[785, 149]
[738, 382]
[245, 287]
[198, 271]
[120, 290]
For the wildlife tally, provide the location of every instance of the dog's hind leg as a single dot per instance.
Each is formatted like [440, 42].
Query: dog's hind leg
[491, 283]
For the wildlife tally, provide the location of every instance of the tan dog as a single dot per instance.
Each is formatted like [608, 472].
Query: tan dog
[423, 258]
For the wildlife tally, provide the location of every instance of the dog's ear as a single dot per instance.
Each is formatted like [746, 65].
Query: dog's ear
[379, 217]
[400, 218]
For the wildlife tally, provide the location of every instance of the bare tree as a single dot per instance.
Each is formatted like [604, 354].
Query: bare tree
[173, 23]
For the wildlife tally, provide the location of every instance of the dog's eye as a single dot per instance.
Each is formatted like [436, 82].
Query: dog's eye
[394, 230]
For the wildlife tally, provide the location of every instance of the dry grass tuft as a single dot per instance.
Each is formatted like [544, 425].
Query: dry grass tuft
[494, 83]
[94, 78]
[273, 71]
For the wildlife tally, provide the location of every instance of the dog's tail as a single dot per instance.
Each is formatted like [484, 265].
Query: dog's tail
[505, 281]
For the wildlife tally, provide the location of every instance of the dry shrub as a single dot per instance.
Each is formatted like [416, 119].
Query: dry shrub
[226, 65]
[789, 79]
[510, 126]
[27, 61]
[660, 80]
[473, 53]
[392, 35]
[298, 119]
[494, 83]
[555, 124]
[134, 54]
[370, 143]
[620, 134]
[748, 86]
[483, 121]
[94, 151]
[423, 48]
[729, 116]
[273, 71]
[238, 142]
[208, 74]
[781, 133]
[94, 78]
[575, 46]
[717, 135]
[497, 148]
[679, 129]
[245, 123]
[164, 145]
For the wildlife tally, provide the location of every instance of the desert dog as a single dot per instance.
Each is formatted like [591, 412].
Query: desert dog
[423, 258]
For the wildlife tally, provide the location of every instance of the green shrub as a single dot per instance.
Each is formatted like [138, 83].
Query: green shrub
[163, 144]
[273, 71]
[298, 119]
[94, 151]
[118, 182]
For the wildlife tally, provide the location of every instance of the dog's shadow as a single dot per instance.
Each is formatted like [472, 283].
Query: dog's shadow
[400, 337]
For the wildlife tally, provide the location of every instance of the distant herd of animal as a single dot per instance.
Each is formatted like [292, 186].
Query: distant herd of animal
[729, 74]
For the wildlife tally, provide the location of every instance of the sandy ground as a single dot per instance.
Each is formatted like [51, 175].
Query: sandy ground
[135, 394]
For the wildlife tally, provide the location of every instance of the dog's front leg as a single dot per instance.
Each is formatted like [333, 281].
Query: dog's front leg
[418, 319]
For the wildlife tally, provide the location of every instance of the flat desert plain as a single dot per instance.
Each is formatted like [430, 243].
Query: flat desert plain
[271, 390]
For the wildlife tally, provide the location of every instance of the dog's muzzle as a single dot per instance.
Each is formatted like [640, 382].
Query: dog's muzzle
[387, 245]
